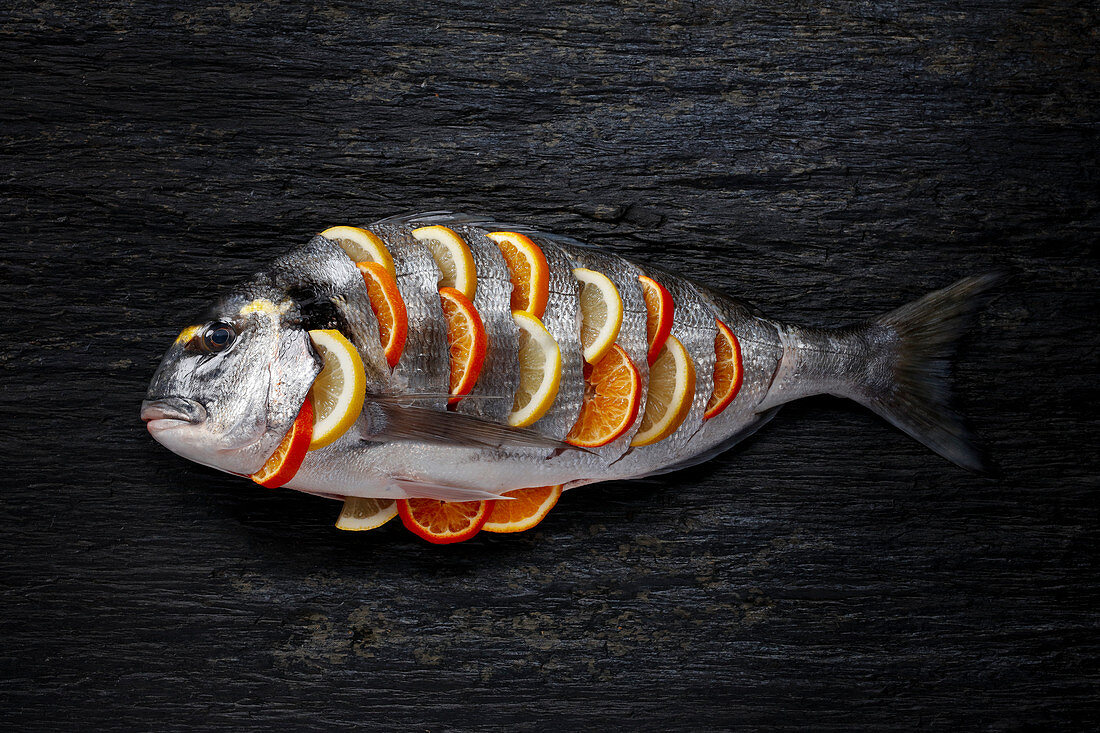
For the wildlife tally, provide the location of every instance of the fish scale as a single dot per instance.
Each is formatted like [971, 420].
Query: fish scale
[492, 394]
[331, 273]
[632, 333]
[692, 323]
[495, 388]
[562, 319]
[760, 355]
[424, 368]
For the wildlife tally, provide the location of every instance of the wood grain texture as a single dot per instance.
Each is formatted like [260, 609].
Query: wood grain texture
[825, 161]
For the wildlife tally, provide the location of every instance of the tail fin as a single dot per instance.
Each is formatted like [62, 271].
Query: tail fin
[896, 364]
[919, 342]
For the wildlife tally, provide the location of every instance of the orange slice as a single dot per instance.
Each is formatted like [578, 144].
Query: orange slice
[612, 393]
[361, 246]
[442, 522]
[671, 390]
[527, 508]
[530, 273]
[466, 339]
[727, 371]
[452, 257]
[601, 313]
[287, 458]
[659, 309]
[385, 299]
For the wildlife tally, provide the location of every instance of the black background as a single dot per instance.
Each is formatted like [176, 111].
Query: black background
[827, 161]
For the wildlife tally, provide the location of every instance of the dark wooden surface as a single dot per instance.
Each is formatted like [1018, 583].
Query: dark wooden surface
[826, 161]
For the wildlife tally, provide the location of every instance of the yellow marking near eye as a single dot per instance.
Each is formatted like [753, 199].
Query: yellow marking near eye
[265, 306]
[187, 334]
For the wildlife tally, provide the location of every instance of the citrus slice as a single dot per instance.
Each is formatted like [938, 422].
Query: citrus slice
[288, 457]
[526, 509]
[671, 390]
[659, 308]
[612, 393]
[442, 522]
[727, 371]
[453, 258]
[530, 273]
[539, 371]
[466, 340]
[337, 392]
[385, 300]
[361, 246]
[601, 313]
[360, 514]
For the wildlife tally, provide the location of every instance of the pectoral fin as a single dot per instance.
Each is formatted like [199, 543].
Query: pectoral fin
[392, 420]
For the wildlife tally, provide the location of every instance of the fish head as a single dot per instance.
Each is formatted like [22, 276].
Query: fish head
[230, 388]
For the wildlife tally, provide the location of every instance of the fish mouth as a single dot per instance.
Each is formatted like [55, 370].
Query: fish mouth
[171, 412]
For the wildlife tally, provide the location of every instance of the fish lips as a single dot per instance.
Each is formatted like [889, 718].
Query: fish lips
[171, 412]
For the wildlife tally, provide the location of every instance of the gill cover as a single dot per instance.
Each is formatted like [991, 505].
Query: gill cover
[248, 368]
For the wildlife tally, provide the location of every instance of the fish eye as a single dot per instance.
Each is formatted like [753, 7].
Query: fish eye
[217, 337]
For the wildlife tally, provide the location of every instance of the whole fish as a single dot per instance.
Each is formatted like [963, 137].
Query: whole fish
[231, 386]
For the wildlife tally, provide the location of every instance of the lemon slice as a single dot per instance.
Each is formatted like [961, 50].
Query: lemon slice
[361, 246]
[671, 390]
[453, 258]
[359, 514]
[601, 313]
[337, 393]
[539, 371]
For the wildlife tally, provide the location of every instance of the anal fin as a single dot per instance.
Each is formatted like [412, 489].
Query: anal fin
[418, 489]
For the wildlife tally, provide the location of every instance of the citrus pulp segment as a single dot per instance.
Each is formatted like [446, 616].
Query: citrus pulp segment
[337, 392]
[601, 313]
[671, 390]
[539, 371]
[281, 466]
[612, 393]
[524, 510]
[727, 371]
[441, 522]
[361, 514]
[466, 342]
[529, 271]
[361, 246]
[389, 309]
[452, 257]
[659, 311]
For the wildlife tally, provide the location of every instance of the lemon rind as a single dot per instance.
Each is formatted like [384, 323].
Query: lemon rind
[543, 398]
[370, 247]
[673, 419]
[330, 434]
[610, 331]
[464, 263]
[349, 523]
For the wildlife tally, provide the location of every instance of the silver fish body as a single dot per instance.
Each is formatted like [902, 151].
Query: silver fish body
[230, 408]
[562, 319]
[500, 370]
[632, 333]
